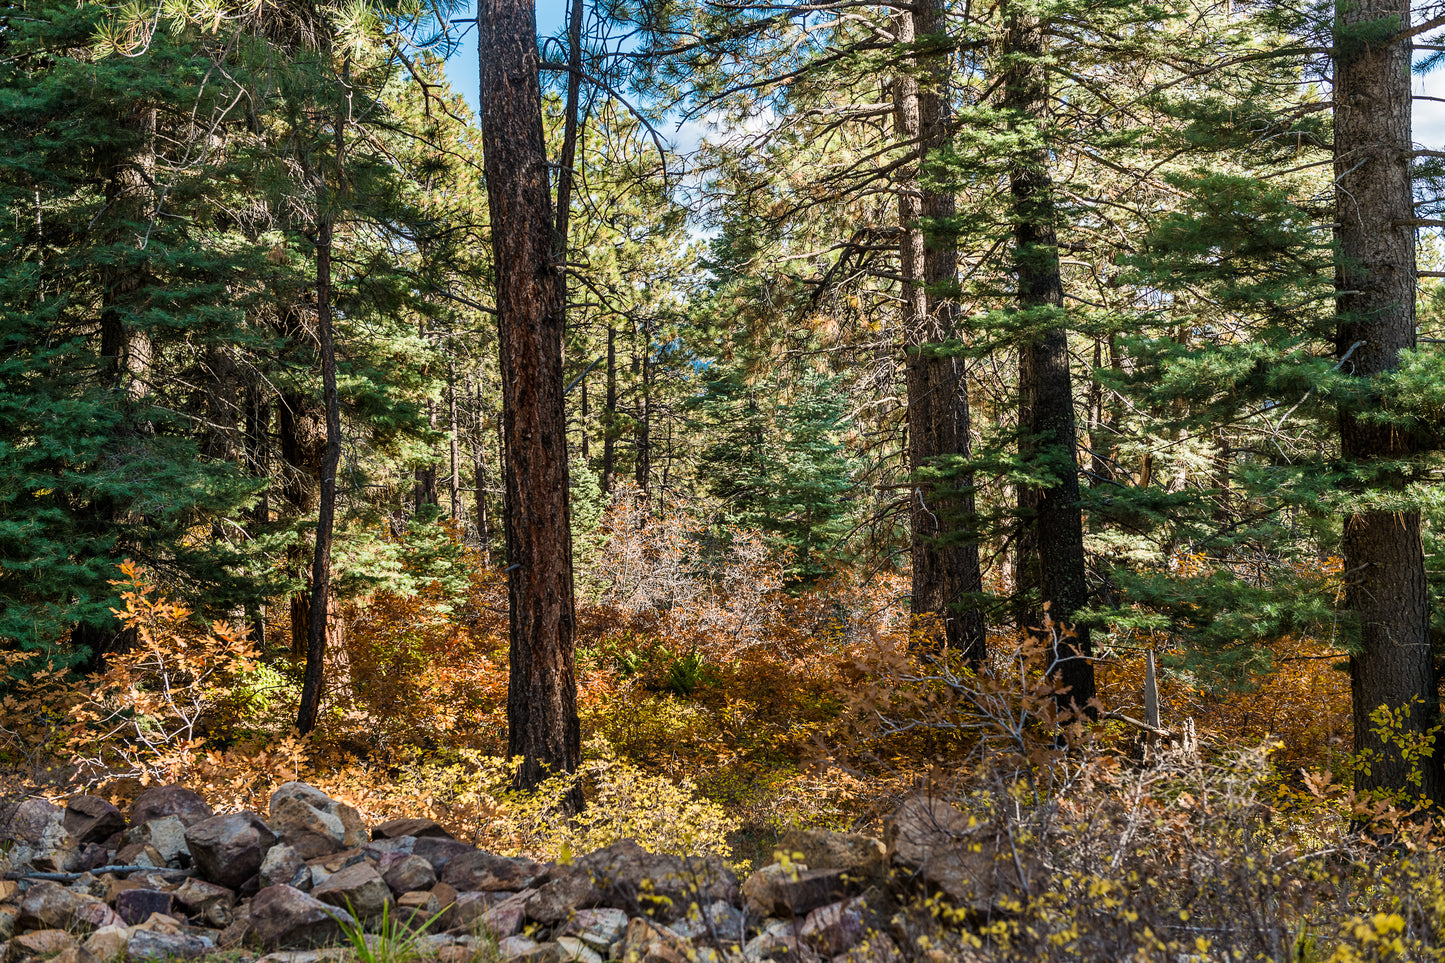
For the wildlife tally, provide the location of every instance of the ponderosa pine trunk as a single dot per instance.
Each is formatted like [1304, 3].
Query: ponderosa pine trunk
[941, 511]
[542, 724]
[1385, 586]
[1048, 432]
[321, 616]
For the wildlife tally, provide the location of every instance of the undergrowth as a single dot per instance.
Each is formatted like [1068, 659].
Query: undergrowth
[721, 710]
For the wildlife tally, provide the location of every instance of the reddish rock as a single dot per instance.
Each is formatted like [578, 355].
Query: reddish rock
[358, 888]
[136, 905]
[38, 945]
[48, 905]
[479, 871]
[159, 801]
[777, 890]
[440, 851]
[228, 850]
[313, 823]
[283, 916]
[835, 928]
[212, 904]
[408, 873]
[91, 819]
[393, 828]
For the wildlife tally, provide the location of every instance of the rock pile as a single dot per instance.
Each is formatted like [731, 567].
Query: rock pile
[174, 881]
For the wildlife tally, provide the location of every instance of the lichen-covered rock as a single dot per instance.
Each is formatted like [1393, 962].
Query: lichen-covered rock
[107, 943]
[37, 945]
[150, 944]
[405, 874]
[166, 835]
[47, 905]
[283, 916]
[358, 888]
[228, 850]
[36, 836]
[482, 872]
[313, 823]
[284, 866]
[598, 928]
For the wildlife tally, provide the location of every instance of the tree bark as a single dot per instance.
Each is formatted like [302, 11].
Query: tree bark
[1385, 587]
[320, 615]
[542, 724]
[1048, 427]
[609, 416]
[942, 542]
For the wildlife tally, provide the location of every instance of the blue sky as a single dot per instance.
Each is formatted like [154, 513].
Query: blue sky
[462, 64]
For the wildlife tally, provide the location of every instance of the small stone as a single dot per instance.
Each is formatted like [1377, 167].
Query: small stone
[575, 950]
[154, 944]
[140, 854]
[107, 943]
[512, 947]
[91, 819]
[199, 896]
[323, 868]
[73, 954]
[504, 919]
[455, 953]
[38, 944]
[159, 801]
[283, 865]
[8, 915]
[409, 873]
[136, 905]
[649, 942]
[358, 888]
[536, 953]
[598, 928]
[440, 851]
